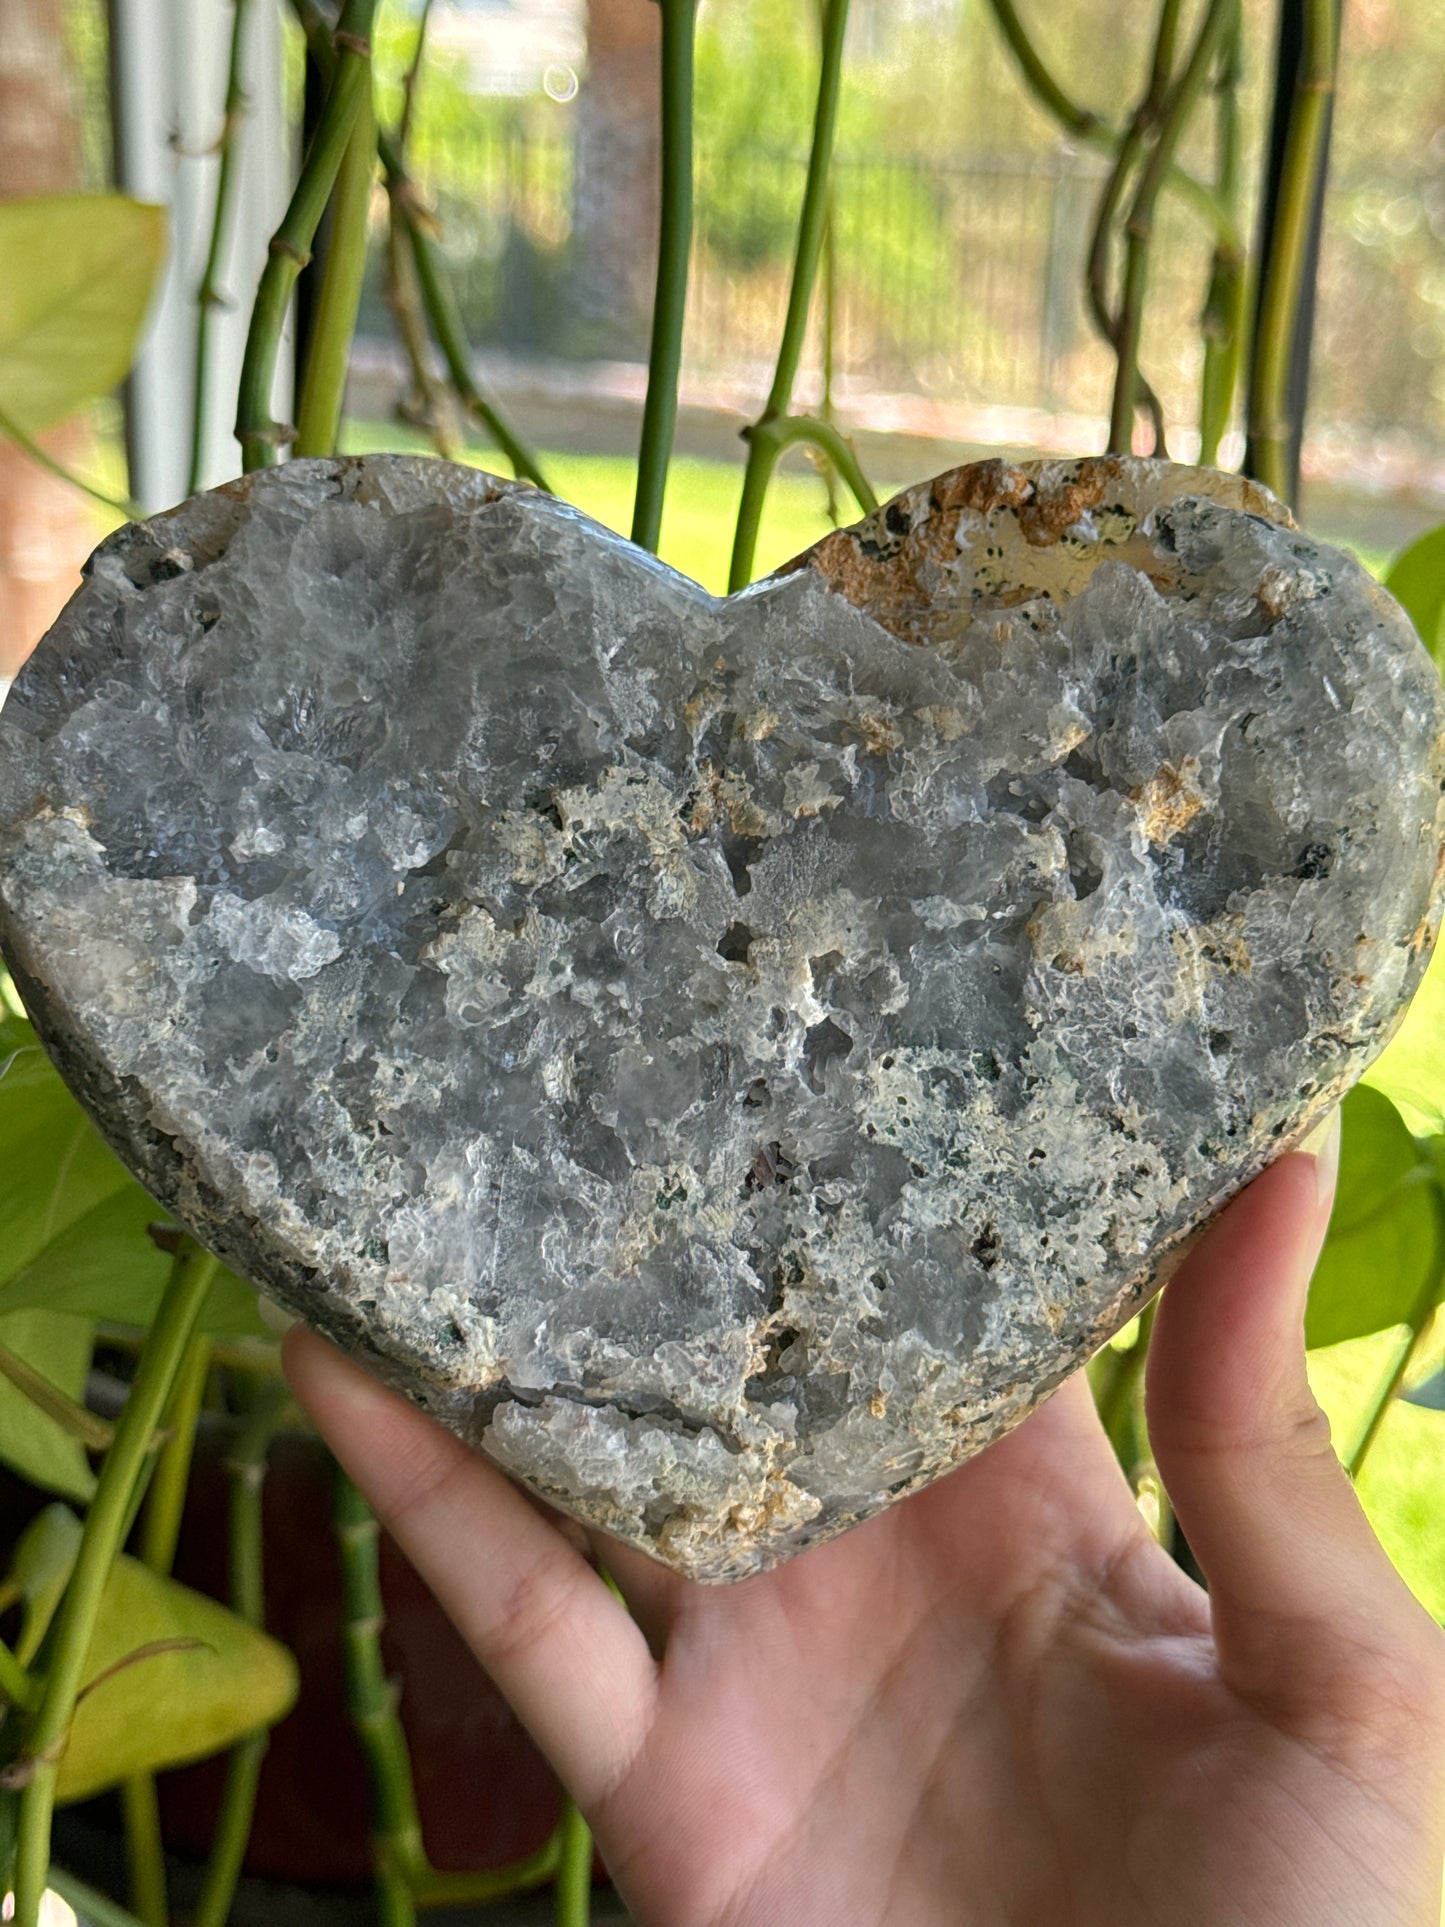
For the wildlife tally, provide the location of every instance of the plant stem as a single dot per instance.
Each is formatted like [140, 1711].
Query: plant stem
[445, 321]
[1090, 128]
[659, 413]
[1172, 118]
[166, 1499]
[120, 1476]
[290, 248]
[1222, 319]
[1040, 82]
[1282, 281]
[323, 388]
[763, 447]
[443, 315]
[72, 1417]
[209, 296]
[122, 504]
[827, 411]
[409, 79]
[1420, 1319]
[572, 1896]
[16, 1685]
[766, 442]
[95, 1908]
[145, 1852]
[397, 1845]
[430, 405]
[1126, 1369]
[246, 1467]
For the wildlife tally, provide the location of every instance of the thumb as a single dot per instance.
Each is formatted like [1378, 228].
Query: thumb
[1299, 1585]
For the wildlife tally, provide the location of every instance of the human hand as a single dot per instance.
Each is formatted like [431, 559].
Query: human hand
[1001, 1701]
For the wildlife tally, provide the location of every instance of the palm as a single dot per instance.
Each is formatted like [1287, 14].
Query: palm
[1002, 1689]
[998, 1702]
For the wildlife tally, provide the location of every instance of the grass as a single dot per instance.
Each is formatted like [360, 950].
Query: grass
[702, 499]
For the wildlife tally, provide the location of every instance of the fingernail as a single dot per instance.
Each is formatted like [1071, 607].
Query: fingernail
[1323, 1145]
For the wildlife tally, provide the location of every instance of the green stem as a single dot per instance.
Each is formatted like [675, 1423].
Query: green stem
[323, 388]
[290, 248]
[412, 74]
[762, 450]
[766, 442]
[1126, 1369]
[444, 319]
[814, 215]
[257, 1356]
[145, 1852]
[395, 1825]
[246, 1467]
[16, 1685]
[1040, 82]
[828, 330]
[659, 413]
[166, 1498]
[209, 296]
[1420, 1319]
[95, 1908]
[1128, 149]
[1282, 282]
[1222, 319]
[122, 504]
[429, 405]
[72, 1417]
[438, 297]
[1096, 132]
[397, 1846]
[572, 1896]
[120, 1476]
[1172, 118]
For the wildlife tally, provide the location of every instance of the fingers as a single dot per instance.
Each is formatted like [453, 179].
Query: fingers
[558, 1644]
[1296, 1575]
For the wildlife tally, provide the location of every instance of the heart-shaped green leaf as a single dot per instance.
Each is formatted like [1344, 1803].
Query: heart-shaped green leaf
[76, 273]
[1384, 1241]
[73, 1222]
[31, 1442]
[170, 1675]
[1416, 578]
[40, 1571]
[1411, 1070]
[209, 1679]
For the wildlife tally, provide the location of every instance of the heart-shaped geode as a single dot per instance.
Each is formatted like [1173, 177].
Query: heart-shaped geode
[728, 1059]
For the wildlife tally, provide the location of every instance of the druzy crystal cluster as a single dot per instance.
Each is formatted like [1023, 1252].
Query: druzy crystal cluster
[728, 1059]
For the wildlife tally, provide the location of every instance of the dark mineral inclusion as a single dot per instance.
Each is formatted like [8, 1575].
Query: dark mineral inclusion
[728, 1059]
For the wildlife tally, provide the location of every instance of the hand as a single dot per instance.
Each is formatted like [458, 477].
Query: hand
[999, 1702]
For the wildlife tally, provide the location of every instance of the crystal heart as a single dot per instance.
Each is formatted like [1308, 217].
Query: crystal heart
[729, 1059]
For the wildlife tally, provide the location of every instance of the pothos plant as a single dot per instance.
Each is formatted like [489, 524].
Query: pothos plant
[112, 1671]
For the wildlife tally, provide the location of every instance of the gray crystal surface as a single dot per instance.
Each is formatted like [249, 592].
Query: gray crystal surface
[729, 1059]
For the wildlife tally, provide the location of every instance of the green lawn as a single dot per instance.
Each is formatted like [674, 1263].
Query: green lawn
[702, 500]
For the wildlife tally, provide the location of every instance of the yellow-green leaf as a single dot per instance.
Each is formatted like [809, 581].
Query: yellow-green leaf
[76, 274]
[40, 1571]
[31, 1442]
[1383, 1250]
[211, 1679]
[1411, 1069]
[1416, 578]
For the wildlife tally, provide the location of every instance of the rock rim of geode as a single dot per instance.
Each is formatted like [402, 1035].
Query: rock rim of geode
[866, 985]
